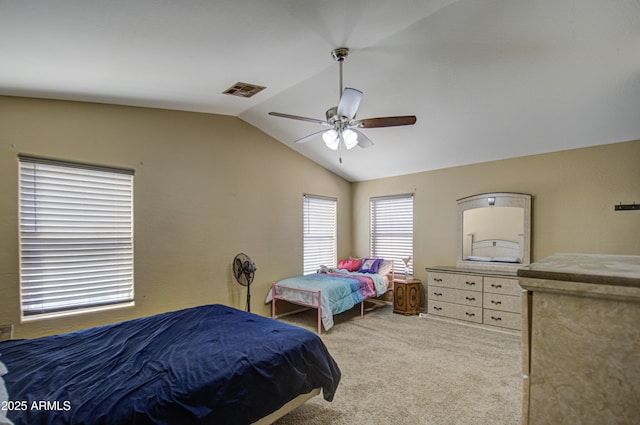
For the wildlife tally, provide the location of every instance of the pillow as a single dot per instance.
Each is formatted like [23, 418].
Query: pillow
[370, 265]
[352, 264]
[385, 267]
[477, 258]
[506, 259]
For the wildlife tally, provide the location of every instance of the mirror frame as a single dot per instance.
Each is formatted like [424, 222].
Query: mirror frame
[501, 199]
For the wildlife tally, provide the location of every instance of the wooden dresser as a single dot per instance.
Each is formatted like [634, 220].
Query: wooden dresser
[480, 296]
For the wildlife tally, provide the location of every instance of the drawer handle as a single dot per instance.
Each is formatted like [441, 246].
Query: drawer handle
[437, 308]
[469, 314]
[493, 285]
[437, 294]
[496, 302]
[469, 298]
[437, 279]
[496, 318]
[470, 283]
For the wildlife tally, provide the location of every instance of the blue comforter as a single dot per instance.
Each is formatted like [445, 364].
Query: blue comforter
[204, 365]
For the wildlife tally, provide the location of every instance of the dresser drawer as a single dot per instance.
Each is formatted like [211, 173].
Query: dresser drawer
[503, 319]
[456, 296]
[456, 311]
[456, 281]
[502, 302]
[501, 285]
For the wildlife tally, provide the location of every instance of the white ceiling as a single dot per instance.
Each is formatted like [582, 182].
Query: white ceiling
[487, 79]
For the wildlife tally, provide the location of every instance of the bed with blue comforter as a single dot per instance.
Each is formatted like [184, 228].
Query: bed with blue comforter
[204, 365]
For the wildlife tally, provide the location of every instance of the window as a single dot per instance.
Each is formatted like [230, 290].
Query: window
[392, 229]
[76, 236]
[319, 233]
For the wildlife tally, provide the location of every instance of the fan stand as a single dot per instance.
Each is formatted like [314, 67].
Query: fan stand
[243, 270]
[248, 298]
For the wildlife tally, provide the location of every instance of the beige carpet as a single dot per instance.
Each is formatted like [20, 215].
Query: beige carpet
[409, 370]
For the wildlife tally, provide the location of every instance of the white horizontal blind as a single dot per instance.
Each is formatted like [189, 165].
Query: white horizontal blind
[76, 236]
[319, 233]
[392, 229]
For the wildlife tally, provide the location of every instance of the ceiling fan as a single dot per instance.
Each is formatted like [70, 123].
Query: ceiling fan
[344, 127]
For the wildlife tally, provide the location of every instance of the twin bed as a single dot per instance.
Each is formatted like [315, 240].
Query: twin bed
[204, 365]
[334, 290]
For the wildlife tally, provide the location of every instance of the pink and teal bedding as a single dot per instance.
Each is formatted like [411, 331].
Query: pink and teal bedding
[204, 365]
[340, 291]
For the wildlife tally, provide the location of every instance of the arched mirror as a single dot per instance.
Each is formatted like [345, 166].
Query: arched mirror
[494, 231]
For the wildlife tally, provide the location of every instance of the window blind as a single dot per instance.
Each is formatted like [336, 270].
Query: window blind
[392, 229]
[76, 236]
[319, 233]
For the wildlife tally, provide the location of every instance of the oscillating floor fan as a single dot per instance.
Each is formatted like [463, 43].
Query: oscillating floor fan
[244, 270]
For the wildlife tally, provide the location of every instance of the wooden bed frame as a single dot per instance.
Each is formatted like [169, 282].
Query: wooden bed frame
[316, 297]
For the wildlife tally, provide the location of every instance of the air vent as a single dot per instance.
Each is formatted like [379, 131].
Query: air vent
[243, 89]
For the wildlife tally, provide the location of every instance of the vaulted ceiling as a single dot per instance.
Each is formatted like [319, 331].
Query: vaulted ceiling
[487, 79]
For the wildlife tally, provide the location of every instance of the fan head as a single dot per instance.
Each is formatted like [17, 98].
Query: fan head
[243, 269]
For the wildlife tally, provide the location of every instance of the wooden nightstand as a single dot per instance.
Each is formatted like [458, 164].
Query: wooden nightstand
[406, 296]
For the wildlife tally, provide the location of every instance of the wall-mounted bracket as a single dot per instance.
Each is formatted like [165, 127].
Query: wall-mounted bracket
[627, 207]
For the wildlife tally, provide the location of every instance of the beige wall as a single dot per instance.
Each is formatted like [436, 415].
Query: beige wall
[574, 193]
[210, 186]
[206, 188]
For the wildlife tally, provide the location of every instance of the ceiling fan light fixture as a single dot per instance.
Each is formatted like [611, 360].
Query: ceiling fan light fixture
[350, 138]
[342, 118]
[330, 138]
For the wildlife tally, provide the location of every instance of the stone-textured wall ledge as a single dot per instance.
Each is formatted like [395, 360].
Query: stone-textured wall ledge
[590, 270]
[581, 340]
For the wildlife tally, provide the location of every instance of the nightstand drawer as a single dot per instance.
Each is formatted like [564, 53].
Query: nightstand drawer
[456, 281]
[503, 319]
[456, 311]
[500, 285]
[457, 296]
[502, 302]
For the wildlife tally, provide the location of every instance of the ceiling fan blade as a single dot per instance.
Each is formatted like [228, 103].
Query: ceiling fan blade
[296, 117]
[386, 121]
[309, 137]
[363, 141]
[349, 103]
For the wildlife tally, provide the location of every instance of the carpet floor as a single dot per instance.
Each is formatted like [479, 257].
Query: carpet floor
[409, 370]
